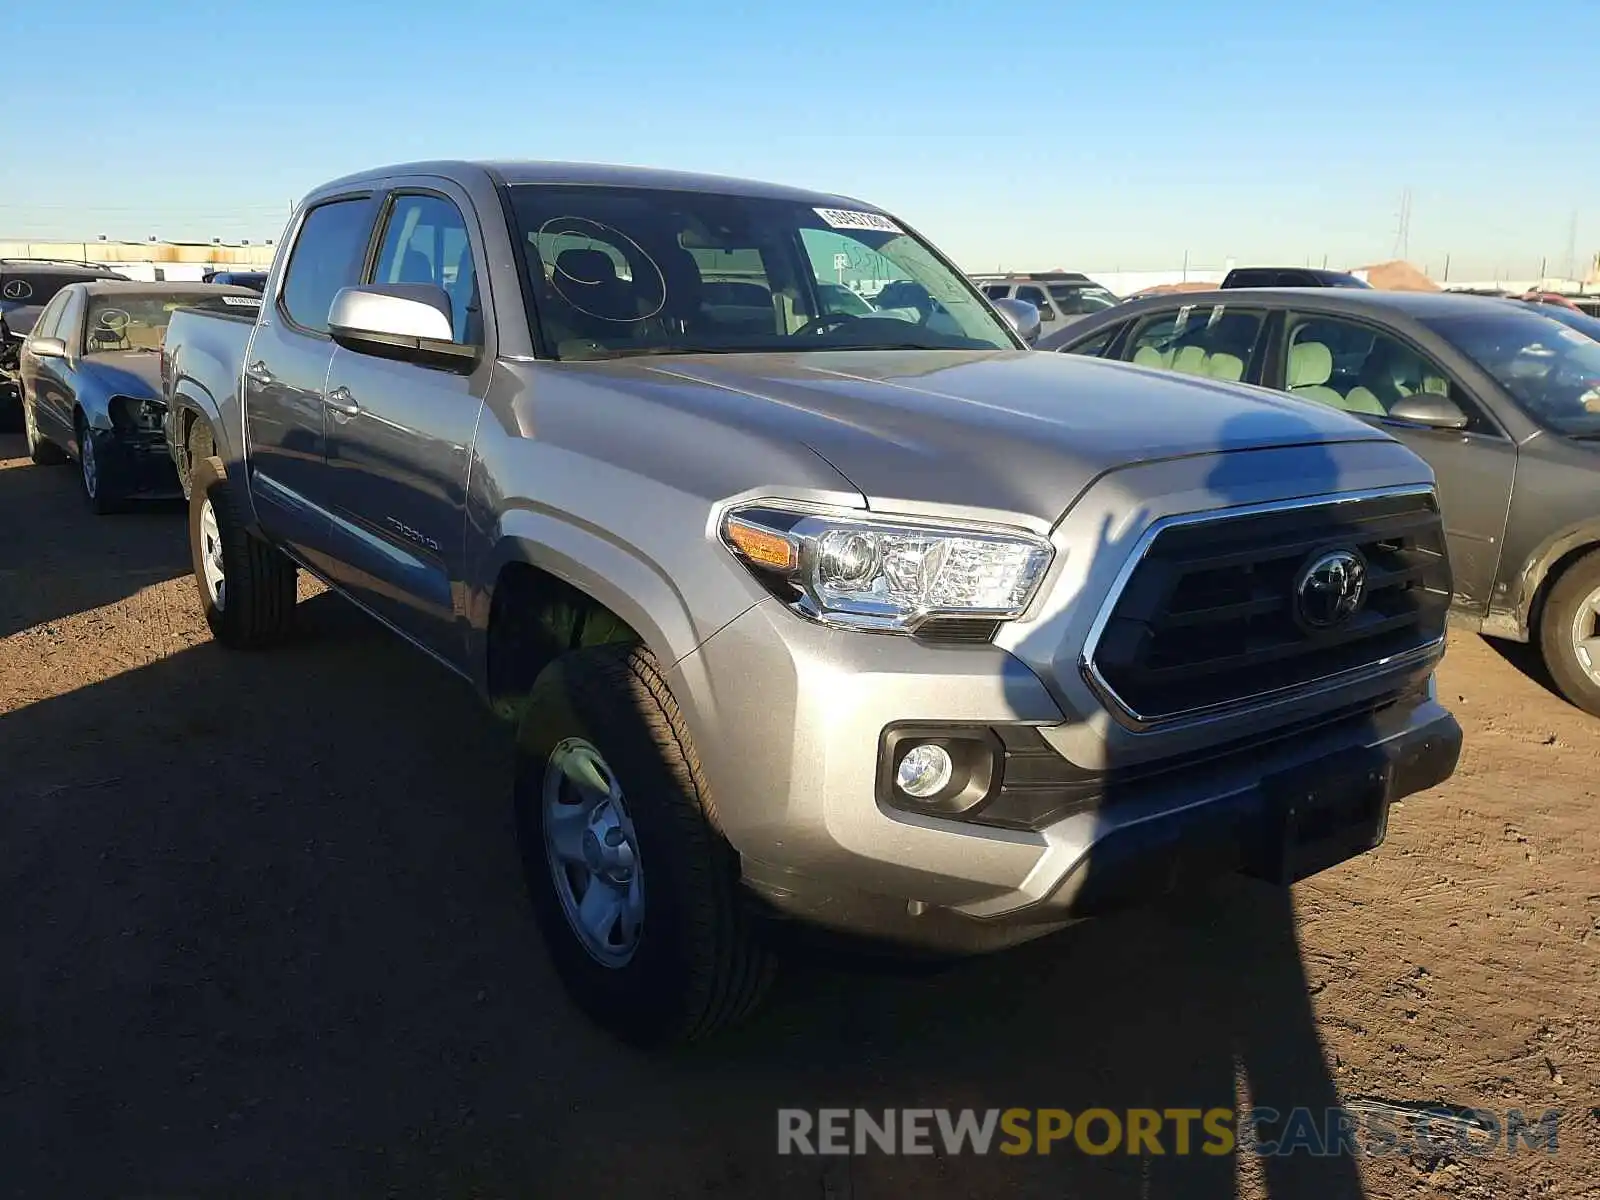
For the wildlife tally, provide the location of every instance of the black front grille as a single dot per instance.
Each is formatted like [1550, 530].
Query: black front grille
[1209, 616]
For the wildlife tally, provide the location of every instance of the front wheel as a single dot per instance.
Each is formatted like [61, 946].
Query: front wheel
[635, 891]
[247, 587]
[1569, 633]
[100, 487]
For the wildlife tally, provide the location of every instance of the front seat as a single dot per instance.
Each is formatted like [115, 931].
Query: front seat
[601, 304]
[1310, 368]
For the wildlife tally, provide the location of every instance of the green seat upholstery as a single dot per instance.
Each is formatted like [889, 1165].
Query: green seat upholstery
[1227, 367]
[1310, 367]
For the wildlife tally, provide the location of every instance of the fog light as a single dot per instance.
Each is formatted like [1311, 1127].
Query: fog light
[924, 771]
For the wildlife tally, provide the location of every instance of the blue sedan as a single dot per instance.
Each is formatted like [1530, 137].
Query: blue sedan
[91, 385]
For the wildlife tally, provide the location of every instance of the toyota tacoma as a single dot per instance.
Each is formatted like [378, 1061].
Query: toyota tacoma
[872, 620]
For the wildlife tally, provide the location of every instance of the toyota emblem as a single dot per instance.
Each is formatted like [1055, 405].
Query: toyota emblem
[1330, 589]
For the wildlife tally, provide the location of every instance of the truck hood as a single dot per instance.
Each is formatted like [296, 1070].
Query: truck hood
[1004, 431]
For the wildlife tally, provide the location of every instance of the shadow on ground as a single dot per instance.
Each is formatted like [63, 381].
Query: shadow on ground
[267, 936]
[56, 559]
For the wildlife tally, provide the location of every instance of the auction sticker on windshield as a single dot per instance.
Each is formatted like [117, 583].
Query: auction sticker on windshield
[843, 218]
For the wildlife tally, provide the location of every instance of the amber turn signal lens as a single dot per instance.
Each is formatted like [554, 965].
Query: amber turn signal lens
[761, 546]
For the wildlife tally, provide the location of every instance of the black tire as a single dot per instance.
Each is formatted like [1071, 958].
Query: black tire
[42, 452]
[258, 597]
[96, 470]
[700, 962]
[1567, 603]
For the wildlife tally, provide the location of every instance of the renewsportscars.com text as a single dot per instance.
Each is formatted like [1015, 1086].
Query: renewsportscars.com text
[1371, 1129]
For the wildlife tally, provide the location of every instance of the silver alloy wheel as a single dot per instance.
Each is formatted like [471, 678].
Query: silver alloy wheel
[1586, 635]
[211, 557]
[593, 852]
[91, 470]
[30, 425]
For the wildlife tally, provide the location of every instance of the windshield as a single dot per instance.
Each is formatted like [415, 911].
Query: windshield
[1552, 371]
[129, 321]
[1582, 322]
[618, 271]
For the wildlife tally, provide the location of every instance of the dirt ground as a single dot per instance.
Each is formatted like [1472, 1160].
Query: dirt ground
[265, 935]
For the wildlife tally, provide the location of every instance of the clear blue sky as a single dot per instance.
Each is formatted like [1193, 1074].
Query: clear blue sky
[1096, 134]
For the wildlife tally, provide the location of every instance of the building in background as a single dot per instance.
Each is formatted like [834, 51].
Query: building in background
[151, 261]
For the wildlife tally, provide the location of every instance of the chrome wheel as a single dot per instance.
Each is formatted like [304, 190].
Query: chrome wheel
[593, 852]
[211, 557]
[30, 425]
[91, 471]
[1586, 635]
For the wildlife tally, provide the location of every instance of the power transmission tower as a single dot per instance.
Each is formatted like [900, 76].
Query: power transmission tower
[1402, 232]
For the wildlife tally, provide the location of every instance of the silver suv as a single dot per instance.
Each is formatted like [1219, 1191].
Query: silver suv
[1061, 297]
[873, 620]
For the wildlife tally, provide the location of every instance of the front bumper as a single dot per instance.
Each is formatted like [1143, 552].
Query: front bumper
[136, 463]
[789, 723]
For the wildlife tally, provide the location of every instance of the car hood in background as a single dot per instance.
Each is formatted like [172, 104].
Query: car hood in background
[1012, 430]
[134, 373]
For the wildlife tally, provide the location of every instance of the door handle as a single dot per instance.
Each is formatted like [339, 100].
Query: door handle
[258, 371]
[342, 402]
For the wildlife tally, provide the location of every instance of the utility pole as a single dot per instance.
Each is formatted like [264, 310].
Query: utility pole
[1402, 233]
[1572, 246]
[1446, 268]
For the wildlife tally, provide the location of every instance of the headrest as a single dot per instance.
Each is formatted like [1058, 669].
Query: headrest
[585, 267]
[1310, 365]
[1228, 367]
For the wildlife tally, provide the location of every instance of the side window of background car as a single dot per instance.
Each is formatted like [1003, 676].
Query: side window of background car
[327, 256]
[1354, 367]
[997, 291]
[1215, 340]
[1035, 296]
[45, 326]
[70, 324]
[425, 241]
[1096, 346]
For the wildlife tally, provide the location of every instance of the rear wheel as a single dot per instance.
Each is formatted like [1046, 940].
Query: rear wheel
[41, 451]
[635, 891]
[1569, 633]
[247, 587]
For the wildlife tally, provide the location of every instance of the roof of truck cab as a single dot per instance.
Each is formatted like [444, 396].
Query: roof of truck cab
[601, 175]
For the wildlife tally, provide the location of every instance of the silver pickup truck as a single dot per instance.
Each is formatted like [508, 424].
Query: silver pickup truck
[860, 615]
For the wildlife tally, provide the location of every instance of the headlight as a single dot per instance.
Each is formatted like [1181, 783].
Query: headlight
[888, 574]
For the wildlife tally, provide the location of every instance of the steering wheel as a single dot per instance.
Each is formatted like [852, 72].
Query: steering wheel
[827, 321]
[116, 320]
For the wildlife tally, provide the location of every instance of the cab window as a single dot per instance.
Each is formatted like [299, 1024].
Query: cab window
[425, 241]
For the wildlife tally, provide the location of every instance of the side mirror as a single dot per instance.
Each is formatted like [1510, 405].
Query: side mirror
[1430, 410]
[47, 348]
[1021, 316]
[405, 321]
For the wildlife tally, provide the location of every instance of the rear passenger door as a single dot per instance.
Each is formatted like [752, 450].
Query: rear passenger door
[1217, 341]
[400, 434]
[1364, 368]
[286, 364]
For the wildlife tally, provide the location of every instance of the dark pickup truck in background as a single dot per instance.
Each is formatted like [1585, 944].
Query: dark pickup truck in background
[26, 286]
